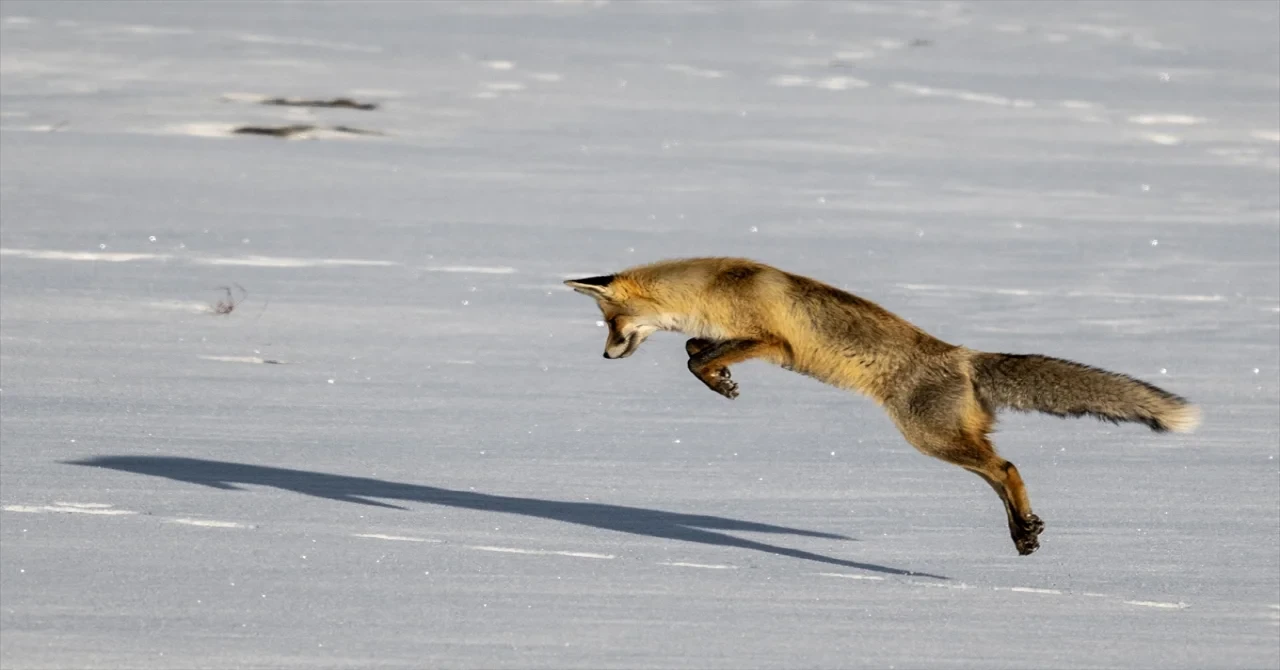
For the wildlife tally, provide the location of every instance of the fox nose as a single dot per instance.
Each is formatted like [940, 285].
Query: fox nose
[606, 355]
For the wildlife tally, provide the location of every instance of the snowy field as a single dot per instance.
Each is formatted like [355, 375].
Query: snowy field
[402, 448]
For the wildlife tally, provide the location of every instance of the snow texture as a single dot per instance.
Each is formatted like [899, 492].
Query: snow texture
[398, 445]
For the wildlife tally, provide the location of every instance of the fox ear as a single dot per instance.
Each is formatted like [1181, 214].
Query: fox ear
[596, 287]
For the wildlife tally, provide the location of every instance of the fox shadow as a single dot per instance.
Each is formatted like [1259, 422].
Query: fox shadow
[661, 524]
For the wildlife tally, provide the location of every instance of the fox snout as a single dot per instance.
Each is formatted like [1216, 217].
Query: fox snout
[617, 346]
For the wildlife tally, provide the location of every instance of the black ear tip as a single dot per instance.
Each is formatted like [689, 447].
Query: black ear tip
[602, 280]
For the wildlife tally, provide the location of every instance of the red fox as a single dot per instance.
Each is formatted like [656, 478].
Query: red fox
[943, 397]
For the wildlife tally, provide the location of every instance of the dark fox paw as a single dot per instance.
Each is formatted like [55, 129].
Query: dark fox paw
[727, 389]
[1026, 537]
[722, 383]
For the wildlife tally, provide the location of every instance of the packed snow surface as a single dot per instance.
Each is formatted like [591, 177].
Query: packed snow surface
[312, 394]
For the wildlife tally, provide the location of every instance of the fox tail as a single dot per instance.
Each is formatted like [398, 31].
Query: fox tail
[1027, 383]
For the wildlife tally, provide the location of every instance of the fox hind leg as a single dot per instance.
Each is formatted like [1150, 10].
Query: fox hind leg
[943, 421]
[977, 455]
[1024, 526]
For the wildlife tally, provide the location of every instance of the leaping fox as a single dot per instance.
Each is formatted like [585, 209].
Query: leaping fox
[943, 397]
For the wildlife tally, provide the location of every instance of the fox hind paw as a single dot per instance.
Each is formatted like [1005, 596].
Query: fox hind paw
[1027, 537]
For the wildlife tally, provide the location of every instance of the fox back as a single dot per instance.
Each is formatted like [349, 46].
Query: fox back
[822, 331]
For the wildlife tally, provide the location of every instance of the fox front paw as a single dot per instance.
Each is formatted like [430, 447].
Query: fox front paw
[718, 381]
[726, 388]
[722, 383]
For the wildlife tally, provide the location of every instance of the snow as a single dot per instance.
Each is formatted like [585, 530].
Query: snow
[442, 470]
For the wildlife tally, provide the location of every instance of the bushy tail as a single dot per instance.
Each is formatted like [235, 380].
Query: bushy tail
[1064, 388]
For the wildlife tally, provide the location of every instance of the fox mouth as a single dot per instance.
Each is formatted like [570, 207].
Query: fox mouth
[632, 343]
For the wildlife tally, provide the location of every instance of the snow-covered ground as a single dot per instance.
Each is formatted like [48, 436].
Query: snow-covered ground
[440, 470]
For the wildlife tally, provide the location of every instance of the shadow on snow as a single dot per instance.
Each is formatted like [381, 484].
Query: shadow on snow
[635, 520]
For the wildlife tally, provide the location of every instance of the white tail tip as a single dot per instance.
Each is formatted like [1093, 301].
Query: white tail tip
[1184, 419]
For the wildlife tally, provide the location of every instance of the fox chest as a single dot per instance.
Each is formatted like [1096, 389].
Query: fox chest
[693, 327]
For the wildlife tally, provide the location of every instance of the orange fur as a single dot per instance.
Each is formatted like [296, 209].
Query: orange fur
[941, 396]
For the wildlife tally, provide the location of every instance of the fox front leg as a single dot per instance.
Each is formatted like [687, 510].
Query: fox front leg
[716, 379]
[709, 371]
[696, 345]
[711, 363]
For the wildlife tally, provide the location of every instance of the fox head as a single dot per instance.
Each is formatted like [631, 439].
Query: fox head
[629, 316]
